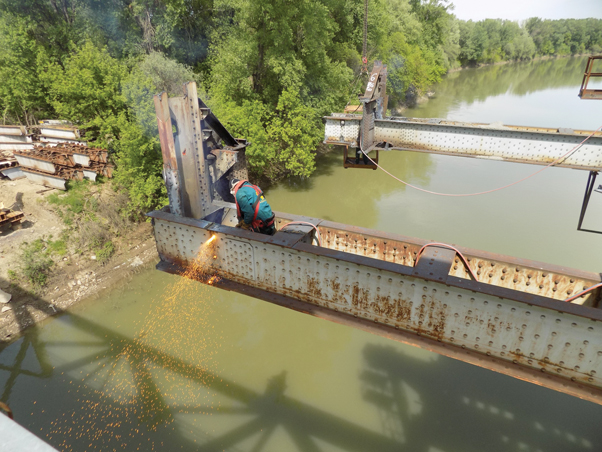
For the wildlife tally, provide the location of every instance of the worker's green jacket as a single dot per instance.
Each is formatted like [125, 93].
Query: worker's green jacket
[245, 199]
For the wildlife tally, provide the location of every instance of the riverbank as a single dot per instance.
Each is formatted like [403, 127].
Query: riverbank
[73, 276]
[501, 63]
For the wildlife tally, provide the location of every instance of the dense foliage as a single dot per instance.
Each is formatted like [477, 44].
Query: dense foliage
[269, 68]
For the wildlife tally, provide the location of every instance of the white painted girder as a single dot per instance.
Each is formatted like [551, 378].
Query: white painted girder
[538, 146]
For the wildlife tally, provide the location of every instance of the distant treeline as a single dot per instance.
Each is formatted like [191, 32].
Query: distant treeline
[270, 69]
[491, 41]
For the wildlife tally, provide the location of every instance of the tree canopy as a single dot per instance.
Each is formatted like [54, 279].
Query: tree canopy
[270, 69]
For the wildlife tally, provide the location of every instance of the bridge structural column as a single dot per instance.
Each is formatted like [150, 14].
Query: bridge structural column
[185, 170]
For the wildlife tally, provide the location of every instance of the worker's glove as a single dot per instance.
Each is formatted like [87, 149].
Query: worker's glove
[241, 224]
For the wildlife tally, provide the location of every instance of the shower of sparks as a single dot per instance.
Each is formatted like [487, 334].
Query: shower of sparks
[166, 369]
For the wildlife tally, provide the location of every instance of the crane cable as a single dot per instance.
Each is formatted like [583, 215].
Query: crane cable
[365, 47]
[562, 157]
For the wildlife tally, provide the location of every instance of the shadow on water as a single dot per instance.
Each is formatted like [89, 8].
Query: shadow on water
[111, 393]
[77, 416]
[432, 404]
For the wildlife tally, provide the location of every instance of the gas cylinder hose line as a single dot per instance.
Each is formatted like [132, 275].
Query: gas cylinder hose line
[308, 224]
[445, 245]
[562, 157]
[589, 289]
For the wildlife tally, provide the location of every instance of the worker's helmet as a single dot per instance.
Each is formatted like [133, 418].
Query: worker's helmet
[233, 183]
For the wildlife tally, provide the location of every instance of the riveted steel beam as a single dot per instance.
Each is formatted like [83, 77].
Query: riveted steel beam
[513, 320]
[540, 146]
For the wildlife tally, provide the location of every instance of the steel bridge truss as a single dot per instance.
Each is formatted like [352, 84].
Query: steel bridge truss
[532, 145]
[513, 319]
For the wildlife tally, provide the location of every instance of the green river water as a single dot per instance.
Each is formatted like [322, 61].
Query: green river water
[164, 363]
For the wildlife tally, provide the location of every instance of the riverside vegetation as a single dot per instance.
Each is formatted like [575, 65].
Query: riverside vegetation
[269, 69]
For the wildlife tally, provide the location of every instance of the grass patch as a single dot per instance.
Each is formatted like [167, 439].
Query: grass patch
[58, 247]
[77, 200]
[104, 254]
[13, 276]
[36, 263]
[95, 216]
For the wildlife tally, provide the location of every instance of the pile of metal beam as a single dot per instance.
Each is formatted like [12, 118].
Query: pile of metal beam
[8, 165]
[55, 164]
[15, 139]
[10, 219]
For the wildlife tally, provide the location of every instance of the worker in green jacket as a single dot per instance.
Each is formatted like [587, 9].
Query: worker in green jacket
[253, 211]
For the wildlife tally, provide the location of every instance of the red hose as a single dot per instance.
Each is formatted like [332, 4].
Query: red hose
[595, 286]
[451, 248]
[309, 224]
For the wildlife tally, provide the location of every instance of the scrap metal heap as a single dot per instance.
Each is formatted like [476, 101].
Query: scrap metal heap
[50, 153]
[53, 165]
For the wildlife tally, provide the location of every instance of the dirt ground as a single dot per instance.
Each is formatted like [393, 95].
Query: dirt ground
[73, 279]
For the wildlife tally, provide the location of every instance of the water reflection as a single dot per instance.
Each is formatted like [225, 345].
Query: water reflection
[349, 195]
[517, 79]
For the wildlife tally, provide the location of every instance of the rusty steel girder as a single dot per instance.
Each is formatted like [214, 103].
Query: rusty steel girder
[584, 91]
[498, 312]
[199, 155]
[513, 320]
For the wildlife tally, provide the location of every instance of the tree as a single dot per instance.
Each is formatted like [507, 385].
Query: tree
[23, 98]
[271, 51]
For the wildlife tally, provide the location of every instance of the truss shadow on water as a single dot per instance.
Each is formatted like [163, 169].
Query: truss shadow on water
[447, 405]
[109, 421]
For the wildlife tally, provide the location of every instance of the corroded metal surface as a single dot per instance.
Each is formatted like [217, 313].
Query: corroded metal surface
[65, 161]
[519, 332]
[508, 143]
[199, 155]
[584, 92]
[170, 162]
[10, 218]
